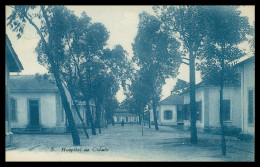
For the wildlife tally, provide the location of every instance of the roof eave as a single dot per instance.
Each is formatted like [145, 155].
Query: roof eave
[14, 57]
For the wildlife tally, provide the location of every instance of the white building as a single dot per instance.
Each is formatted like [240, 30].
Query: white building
[247, 68]
[123, 114]
[169, 111]
[207, 107]
[12, 64]
[35, 105]
[81, 105]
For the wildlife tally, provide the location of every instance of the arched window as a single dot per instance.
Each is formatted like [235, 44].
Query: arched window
[168, 114]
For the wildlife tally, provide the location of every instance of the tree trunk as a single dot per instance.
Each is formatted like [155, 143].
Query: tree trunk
[90, 118]
[223, 141]
[98, 115]
[112, 119]
[81, 119]
[72, 93]
[143, 125]
[143, 118]
[74, 132]
[149, 120]
[69, 116]
[193, 127]
[221, 110]
[155, 115]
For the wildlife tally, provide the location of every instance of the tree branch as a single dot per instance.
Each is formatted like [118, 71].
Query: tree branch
[185, 63]
[45, 17]
[185, 58]
[37, 29]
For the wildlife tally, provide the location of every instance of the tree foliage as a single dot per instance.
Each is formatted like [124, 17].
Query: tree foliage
[156, 53]
[40, 17]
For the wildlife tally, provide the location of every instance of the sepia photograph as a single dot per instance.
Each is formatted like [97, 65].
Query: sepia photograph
[125, 83]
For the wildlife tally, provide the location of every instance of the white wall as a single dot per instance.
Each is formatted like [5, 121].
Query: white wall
[82, 110]
[247, 83]
[47, 108]
[173, 121]
[199, 97]
[229, 93]
[131, 119]
[160, 119]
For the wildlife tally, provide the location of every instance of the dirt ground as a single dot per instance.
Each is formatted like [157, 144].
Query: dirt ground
[117, 143]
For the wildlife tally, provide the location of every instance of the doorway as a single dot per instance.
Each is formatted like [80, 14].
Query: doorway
[34, 119]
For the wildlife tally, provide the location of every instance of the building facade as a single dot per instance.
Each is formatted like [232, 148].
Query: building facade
[247, 69]
[207, 108]
[169, 111]
[81, 106]
[12, 64]
[35, 105]
[123, 114]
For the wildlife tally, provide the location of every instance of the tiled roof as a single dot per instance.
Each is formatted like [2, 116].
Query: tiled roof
[121, 110]
[31, 83]
[123, 114]
[172, 100]
[203, 84]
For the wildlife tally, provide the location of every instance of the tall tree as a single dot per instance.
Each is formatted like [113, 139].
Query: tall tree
[227, 28]
[63, 35]
[105, 88]
[186, 24]
[91, 45]
[180, 86]
[118, 70]
[82, 45]
[29, 14]
[156, 53]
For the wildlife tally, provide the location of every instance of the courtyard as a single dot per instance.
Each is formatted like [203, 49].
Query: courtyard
[126, 143]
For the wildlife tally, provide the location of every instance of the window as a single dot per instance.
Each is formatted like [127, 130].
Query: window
[126, 119]
[250, 106]
[226, 107]
[13, 109]
[117, 119]
[179, 113]
[199, 110]
[168, 115]
[186, 110]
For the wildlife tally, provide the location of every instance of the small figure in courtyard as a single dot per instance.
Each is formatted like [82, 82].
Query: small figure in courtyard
[122, 123]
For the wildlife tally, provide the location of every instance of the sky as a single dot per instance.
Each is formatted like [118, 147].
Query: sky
[120, 21]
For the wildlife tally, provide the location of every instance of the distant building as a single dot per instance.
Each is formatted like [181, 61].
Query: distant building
[12, 64]
[36, 105]
[169, 111]
[207, 107]
[124, 114]
[81, 105]
[247, 68]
